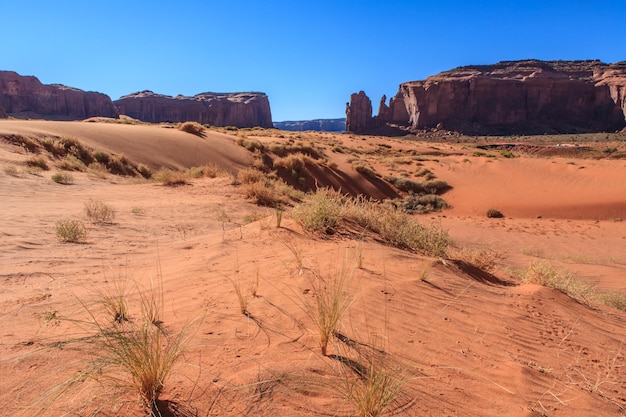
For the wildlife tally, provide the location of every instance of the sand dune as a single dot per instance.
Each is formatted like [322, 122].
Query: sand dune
[472, 343]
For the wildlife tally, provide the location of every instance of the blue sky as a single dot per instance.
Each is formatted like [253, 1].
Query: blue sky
[307, 56]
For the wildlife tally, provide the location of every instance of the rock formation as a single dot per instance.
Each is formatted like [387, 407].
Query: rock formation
[509, 97]
[319, 125]
[27, 97]
[359, 113]
[217, 109]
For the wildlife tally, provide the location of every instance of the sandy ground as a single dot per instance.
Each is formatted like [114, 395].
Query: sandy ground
[468, 343]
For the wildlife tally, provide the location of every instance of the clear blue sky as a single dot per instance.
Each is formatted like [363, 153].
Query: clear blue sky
[307, 56]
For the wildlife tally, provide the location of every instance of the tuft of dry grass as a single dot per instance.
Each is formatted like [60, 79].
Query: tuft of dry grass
[484, 258]
[71, 163]
[170, 177]
[295, 162]
[377, 387]
[38, 162]
[194, 128]
[71, 231]
[546, 274]
[136, 354]
[11, 170]
[333, 296]
[64, 178]
[250, 175]
[99, 212]
[493, 213]
[326, 210]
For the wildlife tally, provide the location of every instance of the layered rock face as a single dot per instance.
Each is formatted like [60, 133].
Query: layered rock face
[26, 96]
[359, 113]
[217, 109]
[512, 97]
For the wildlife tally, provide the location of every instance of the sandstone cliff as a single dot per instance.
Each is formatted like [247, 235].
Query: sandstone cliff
[217, 109]
[509, 97]
[27, 97]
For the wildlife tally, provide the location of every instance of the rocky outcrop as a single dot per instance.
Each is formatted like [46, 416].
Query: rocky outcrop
[511, 97]
[27, 97]
[319, 125]
[359, 113]
[216, 109]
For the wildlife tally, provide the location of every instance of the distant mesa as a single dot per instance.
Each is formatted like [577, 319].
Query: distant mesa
[510, 97]
[318, 125]
[217, 109]
[26, 97]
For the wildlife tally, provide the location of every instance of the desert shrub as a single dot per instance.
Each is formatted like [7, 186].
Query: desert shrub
[170, 177]
[263, 193]
[421, 204]
[97, 169]
[546, 274]
[485, 258]
[38, 162]
[144, 171]
[72, 231]
[418, 187]
[194, 128]
[320, 212]
[29, 144]
[102, 157]
[208, 170]
[64, 178]
[326, 210]
[71, 163]
[250, 144]
[507, 154]
[99, 212]
[494, 214]
[119, 165]
[250, 175]
[366, 171]
[294, 162]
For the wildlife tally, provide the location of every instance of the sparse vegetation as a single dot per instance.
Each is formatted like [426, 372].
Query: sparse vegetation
[38, 162]
[544, 273]
[71, 231]
[484, 258]
[64, 178]
[493, 213]
[71, 163]
[11, 170]
[417, 187]
[194, 128]
[325, 210]
[99, 212]
[170, 177]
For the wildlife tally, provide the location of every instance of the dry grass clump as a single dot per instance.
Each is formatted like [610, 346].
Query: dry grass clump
[11, 170]
[38, 162]
[102, 157]
[419, 187]
[377, 384]
[64, 178]
[250, 175]
[326, 210]
[294, 162]
[170, 177]
[366, 171]
[250, 144]
[420, 204]
[332, 298]
[120, 165]
[612, 299]
[99, 212]
[485, 258]
[61, 147]
[134, 351]
[264, 193]
[71, 231]
[194, 128]
[546, 274]
[71, 163]
[29, 144]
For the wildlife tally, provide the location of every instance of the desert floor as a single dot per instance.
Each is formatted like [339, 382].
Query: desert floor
[463, 341]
